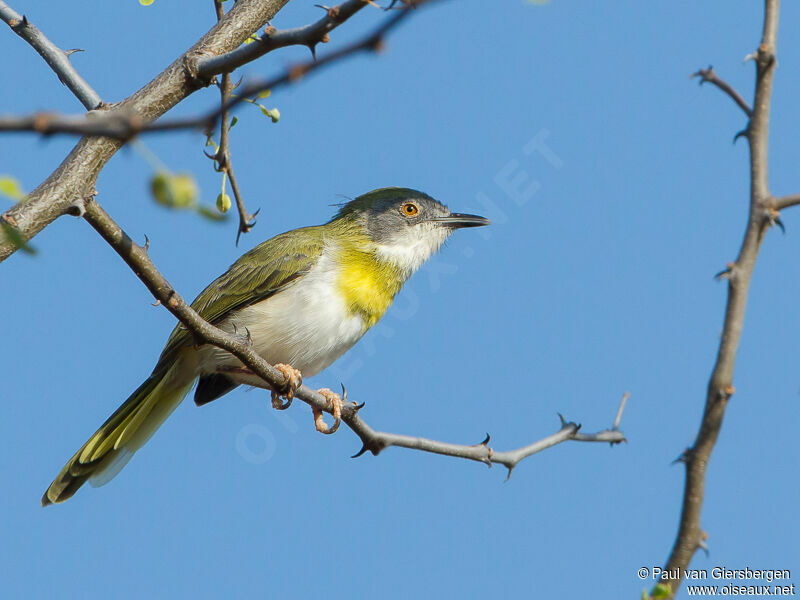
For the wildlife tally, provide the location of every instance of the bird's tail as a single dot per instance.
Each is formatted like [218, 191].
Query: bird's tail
[127, 430]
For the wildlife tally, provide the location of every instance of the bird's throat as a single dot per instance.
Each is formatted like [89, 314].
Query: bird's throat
[367, 284]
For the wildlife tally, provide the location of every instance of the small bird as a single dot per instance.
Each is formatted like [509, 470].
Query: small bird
[303, 298]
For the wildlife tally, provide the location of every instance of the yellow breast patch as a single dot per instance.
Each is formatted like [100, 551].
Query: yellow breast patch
[367, 284]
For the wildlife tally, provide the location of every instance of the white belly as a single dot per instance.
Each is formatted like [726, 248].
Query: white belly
[305, 325]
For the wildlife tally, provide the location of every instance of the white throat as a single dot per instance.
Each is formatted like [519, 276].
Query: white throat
[410, 249]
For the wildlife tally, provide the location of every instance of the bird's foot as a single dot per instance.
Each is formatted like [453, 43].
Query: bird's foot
[334, 406]
[293, 381]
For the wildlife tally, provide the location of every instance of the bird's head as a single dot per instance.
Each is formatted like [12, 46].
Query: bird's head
[405, 226]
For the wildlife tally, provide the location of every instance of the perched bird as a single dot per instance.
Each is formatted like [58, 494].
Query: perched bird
[304, 298]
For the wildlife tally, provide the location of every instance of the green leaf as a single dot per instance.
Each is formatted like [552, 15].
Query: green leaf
[273, 113]
[11, 187]
[223, 202]
[234, 121]
[15, 237]
[146, 2]
[251, 39]
[210, 213]
[264, 94]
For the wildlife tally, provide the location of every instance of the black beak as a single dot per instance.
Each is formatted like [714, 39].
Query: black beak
[458, 220]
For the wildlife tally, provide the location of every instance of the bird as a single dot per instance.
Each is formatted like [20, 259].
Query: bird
[303, 298]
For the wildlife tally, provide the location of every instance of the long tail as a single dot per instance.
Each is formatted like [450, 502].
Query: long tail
[127, 430]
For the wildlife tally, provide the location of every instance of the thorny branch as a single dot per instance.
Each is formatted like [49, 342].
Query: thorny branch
[122, 125]
[272, 39]
[54, 56]
[66, 189]
[222, 157]
[241, 346]
[709, 76]
[762, 214]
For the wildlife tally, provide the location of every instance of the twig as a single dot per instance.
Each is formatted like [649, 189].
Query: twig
[74, 179]
[310, 36]
[720, 387]
[786, 201]
[708, 75]
[222, 156]
[57, 58]
[241, 347]
[122, 126]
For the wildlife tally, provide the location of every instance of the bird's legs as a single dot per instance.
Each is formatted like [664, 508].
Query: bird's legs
[294, 380]
[334, 405]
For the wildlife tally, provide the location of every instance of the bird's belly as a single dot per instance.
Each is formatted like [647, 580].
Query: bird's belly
[305, 325]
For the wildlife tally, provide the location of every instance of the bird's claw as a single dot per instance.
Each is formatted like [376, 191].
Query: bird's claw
[334, 406]
[294, 380]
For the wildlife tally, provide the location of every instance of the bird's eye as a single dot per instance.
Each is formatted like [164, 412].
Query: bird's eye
[409, 209]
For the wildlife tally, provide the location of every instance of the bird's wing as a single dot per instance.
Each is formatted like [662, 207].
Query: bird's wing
[257, 275]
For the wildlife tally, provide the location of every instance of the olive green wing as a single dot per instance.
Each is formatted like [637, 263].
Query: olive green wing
[257, 275]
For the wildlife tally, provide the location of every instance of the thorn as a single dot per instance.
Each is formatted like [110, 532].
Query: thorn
[774, 218]
[146, 246]
[682, 458]
[313, 47]
[358, 407]
[562, 419]
[726, 272]
[703, 74]
[249, 337]
[751, 56]
[360, 452]
[25, 21]
[702, 542]
[510, 469]
[344, 393]
[486, 440]
[73, 51]
[742, 133]
[157, 303]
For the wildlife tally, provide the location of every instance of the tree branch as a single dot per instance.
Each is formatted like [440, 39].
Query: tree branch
[222, 157]
[786, 201]
[53, 55]
[241, 347]
[310, 36]
[708, 75]
[720, 387]
[121, 125]
[73, 181]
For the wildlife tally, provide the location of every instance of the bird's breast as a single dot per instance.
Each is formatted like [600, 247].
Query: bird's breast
[308, 324]
[367, 286]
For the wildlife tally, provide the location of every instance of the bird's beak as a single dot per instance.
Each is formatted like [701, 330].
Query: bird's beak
[457, 220]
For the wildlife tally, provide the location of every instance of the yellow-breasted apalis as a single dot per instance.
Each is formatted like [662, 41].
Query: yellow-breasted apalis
[304, 298]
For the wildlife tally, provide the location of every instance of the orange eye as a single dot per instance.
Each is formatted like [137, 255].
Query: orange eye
[409, 209]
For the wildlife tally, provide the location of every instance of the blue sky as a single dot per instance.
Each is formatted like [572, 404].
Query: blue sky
[595, 281]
